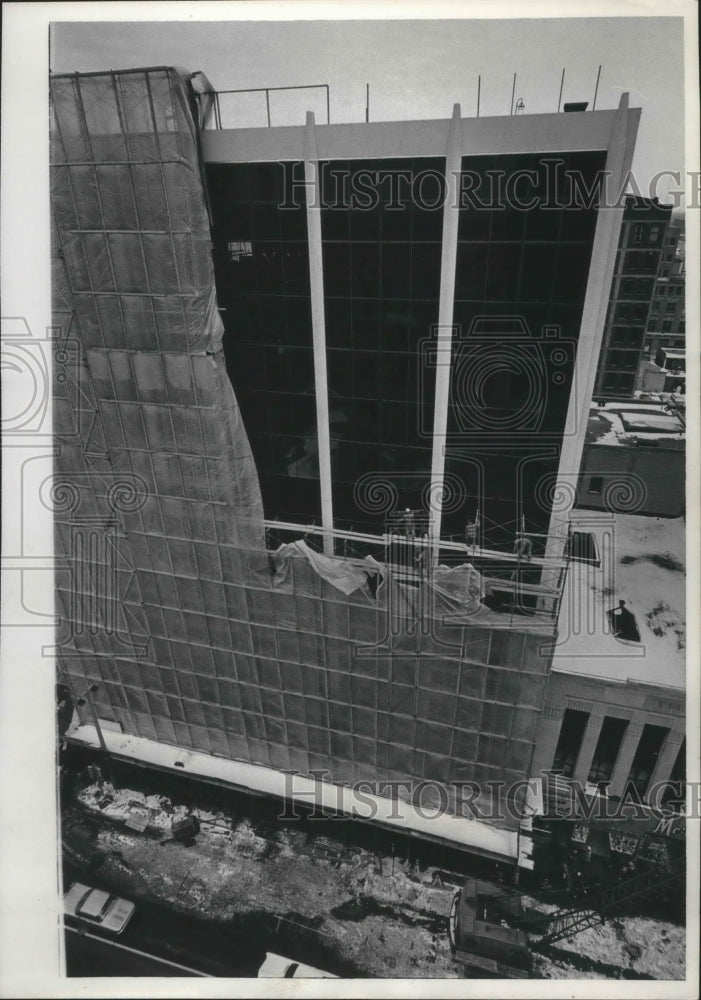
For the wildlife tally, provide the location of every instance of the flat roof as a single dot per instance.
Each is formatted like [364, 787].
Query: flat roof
[643, 562]
[626, 424]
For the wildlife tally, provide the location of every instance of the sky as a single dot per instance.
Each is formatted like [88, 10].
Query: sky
[415, 69]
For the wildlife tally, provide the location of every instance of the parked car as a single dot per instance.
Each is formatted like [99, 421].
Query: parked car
[98, 908]
[277, 967]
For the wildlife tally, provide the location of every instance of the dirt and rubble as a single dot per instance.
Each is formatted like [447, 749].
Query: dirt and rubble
[378, 915]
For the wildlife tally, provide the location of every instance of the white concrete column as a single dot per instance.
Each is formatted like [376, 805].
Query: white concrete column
[626, 754]
[444, 339]
[586, 751]
[667, 757]
[312, 176]
[547, 735]
[603, 257]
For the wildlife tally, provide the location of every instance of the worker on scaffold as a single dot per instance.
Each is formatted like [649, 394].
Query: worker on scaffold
[472, 533]
[408, 523]
[523, 547]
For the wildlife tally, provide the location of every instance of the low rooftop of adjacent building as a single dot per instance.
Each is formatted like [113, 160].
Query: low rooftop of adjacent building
[642, 562]
[635, 424]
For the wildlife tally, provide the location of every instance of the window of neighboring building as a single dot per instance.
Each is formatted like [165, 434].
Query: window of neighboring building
[641, 262]
[654, 236]
[581, 546]
[607, 748]
[596, 484]
[637, 233]
[627, 336]
[667, 326]
[649, 747]
[574, 724]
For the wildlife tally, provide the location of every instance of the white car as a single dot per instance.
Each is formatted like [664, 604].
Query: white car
[277, 967]
[99, 908]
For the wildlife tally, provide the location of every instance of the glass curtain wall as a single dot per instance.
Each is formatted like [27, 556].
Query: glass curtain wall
[262, 274]
[382, 224]
[525, 238]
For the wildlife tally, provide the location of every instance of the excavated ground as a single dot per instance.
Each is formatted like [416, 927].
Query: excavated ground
[353, 910]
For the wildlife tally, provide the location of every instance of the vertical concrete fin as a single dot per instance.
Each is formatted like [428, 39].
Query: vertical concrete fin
[444, 333]
[608, 228]
[316, 283]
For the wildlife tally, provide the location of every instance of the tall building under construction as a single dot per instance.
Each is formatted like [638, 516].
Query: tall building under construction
[320, 398]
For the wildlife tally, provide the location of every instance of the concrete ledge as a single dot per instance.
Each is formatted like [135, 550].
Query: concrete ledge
[454, 831]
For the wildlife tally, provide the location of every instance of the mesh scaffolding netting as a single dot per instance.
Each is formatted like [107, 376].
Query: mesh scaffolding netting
[192, 633]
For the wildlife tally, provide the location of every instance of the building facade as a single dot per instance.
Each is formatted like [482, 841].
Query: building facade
[611, 748]
[642, 246]
[268, 605]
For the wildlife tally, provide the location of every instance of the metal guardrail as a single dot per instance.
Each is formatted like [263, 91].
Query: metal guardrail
[216, 94]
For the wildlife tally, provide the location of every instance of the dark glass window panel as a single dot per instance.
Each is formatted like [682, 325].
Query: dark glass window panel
[227, 184]
[337, 272]
[364, 224]
[266, 182]
[255, 410]
[471, 271]
[395, 319]
[474, 224]
[396, 269]
[265, 222]
[365, 317]
[335, 224]
[295, 265]
[424, 317]
[338, 323]
[427, 223]
[366, 420]
[340, 372]
[578, 225]
[396, 221]
[298, 320]
[293, 223]
[393, 416]
[268, 265]
[503, 271]
[425, 270]
[543, 224]
[343, 462]
[394, 376]
[365, 270]
[270, 325]
[571, 273]
[366, 369]
[253, 361]
[538, 271]
[464, 313]
[300, 363]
